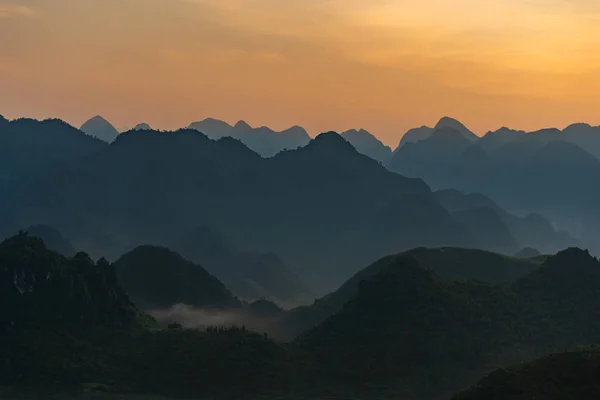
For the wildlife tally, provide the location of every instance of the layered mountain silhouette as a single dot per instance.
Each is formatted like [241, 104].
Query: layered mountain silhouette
[414, 328]
[142, 127]
[31, 150]
[100, 128]
[250, 275]
[447, 263]
[368, 145]
[319, 207]
[418, 134]
[400, 325]
[40, 286]
[550, 170]
[262, 140]
[532, 230]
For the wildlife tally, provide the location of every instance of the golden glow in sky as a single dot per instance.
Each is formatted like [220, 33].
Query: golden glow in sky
[383, 65]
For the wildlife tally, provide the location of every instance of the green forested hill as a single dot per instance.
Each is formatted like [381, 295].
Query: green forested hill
[156, 277]
[569, 375]
[404, 332]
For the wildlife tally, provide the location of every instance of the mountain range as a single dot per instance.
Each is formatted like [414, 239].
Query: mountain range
[100, 128]
[403, 327]
[551, 171]
[109, 202]
[262, 140]
[324, 209]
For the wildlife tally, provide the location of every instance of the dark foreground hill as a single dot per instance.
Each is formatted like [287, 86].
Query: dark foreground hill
[67, 322]
[407, 331]
[569, 375]
[156, 277]
[447, 263]
[404, 333]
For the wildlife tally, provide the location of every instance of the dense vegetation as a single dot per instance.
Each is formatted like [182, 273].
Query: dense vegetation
[447, 263]
[569, 375]
[403, 331]
[156, 277]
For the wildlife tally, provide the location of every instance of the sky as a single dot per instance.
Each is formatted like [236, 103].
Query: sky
[382, 65]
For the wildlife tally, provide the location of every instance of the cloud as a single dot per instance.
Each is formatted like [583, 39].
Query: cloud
[13, 11]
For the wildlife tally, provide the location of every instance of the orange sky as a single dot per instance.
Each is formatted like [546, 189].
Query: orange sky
[382, 65]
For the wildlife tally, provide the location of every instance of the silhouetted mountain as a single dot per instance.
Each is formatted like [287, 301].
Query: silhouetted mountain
[414, 329]
[549, 169]
[66, 322]
[448, 263]
[31, 150]
[156, 278]
[447, 122]
[52, 238]
[412, 334]
[142, 127]
[414, 135]
[249, 275]
[428, 158]
[100, 128]
[532, 230]
[569, 375]
[40, 286]
[492, 141]
[161, 183]
[263, 140]
[368, 145]
[268, 142]
[418, 134]
[213, 128]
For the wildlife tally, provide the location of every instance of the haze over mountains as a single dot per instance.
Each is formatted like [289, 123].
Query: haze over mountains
[552, 171]
[321, 210]
[501, 311]
[341, 277]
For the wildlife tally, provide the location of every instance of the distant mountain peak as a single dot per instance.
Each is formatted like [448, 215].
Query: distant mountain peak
[213, 128]
[330, 142]
[98, 118]
[578, 125]
[504, 130]
[142, 127]
[447, 122]
[296, 128]
[450, 122]
[100, 128]
[329, 137]
[210, 119]
[242, 125]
